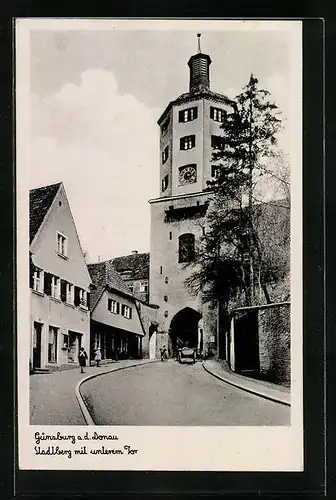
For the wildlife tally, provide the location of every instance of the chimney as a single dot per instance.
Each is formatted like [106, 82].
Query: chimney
[134, 252]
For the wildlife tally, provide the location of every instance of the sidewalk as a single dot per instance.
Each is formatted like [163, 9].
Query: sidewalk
[261, 388]
[52, 395]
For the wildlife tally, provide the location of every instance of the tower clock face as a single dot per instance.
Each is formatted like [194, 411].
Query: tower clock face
[187, 175]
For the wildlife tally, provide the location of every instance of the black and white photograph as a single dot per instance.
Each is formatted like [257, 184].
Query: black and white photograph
[159, 244]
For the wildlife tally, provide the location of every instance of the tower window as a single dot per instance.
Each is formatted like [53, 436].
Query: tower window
[165, 154]
[166, 280]
[160, 269]
[186, 248]
[217, 142]
[170, 235]
[165, 182]
[187, 142]
[165, 298]
[165, 126]
[217, 114]
[187, 115]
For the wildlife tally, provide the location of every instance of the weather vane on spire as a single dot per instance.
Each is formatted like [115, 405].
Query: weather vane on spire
[199, 42]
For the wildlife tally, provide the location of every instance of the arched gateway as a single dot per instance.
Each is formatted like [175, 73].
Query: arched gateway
[184, 329]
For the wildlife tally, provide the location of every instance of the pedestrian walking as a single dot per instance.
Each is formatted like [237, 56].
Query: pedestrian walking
[82, 357]
[163, 352]
[98, 356]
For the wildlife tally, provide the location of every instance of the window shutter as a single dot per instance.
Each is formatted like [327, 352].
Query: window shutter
[195, 113]
[118, 308]
[47, 283]
[31, 272]
[130, 313]
[88, 300]
[109, 304]
[122, 309]
[180, 116]
[77, 298]
[63, 290]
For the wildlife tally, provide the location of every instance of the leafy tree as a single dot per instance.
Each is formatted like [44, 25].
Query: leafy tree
[233, 253]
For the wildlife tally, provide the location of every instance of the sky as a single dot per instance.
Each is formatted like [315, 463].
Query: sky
[96, 96]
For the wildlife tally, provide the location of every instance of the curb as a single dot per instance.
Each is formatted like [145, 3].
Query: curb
[251, 391]
[86, 414]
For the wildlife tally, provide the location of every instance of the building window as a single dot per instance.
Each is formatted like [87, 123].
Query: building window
[65, 341]
[70, 294]
[186, 247]
[165, 154]
[143, 287]
[215, 171]
[165, 182]
[38, 280]
[62, 245]
[113, 306]
[164, 126]
[166, 280]
[55, 287]
[217, 114]
[82, 298]
[165, 298]
[187, 115]
[160, 269]
[166, 314]
[52, 345]
[187, 142]
[131, 288]
[217, 142]
[126, 311]
[170, 235]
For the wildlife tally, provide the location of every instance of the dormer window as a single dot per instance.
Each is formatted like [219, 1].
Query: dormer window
[143, 287]
[217, 114]
[165, 154]
[62, 245]
[187, 115]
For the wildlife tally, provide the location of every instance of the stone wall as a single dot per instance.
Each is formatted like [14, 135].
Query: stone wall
[268, 340]
[274, 343]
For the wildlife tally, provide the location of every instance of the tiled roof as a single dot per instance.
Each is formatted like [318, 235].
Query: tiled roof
[137, 264]
[103, 275]
[40, 200]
